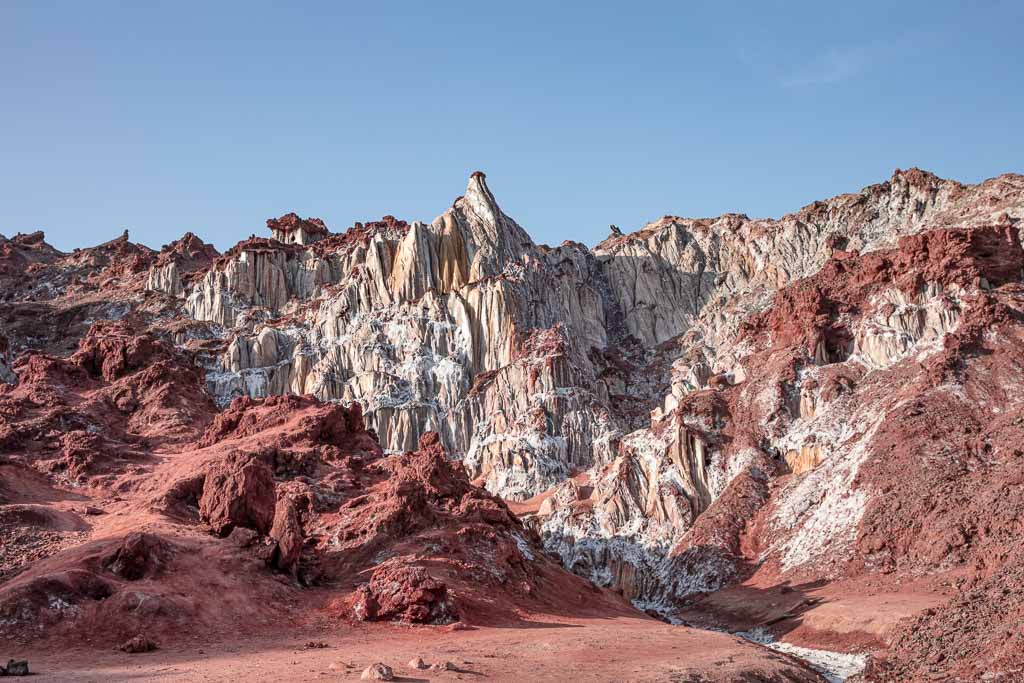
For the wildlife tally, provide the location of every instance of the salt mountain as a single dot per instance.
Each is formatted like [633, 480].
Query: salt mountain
[698, 407]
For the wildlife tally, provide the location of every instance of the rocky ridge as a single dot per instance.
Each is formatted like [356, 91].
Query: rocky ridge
[532, 362]
[699, 405]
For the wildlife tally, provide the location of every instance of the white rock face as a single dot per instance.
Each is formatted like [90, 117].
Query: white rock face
[564, 366]
[510, 349]
[903, 326]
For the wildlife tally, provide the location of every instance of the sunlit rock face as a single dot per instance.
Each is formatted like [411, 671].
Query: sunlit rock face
[463, 326]
[532, 362]
[290, 229]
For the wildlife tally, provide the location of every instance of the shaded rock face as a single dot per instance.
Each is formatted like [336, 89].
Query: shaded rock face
[238, 492]
[33, 600]
[7, 375]
[804, 448]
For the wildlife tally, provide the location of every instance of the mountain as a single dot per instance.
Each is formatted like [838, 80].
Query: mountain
[804, 430]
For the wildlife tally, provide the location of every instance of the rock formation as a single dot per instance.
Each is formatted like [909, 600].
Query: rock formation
[238, 492]
[531, 362]
[431, 423]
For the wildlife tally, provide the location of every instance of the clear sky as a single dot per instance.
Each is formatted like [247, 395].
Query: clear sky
[164, 117]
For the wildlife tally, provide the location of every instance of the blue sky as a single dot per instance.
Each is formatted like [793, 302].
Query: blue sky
[164, 117]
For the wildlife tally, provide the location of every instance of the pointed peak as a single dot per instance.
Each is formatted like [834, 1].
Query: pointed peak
[188, 246]
[477, 183]
[479, 197]
[915, 177]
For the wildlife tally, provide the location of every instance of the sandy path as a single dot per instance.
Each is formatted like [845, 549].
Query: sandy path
[617, 649]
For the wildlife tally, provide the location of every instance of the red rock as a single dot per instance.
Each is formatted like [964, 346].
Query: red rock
[287, 530]
[404, 594]
[138, 556]
[316, 423]
[378, 672]
[291, 223]
[138, 645]
[238, 491]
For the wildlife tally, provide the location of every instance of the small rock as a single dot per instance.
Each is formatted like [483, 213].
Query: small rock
[316, 645]
[340, 666]
[138, 556]
[378, 672]
[417, 663]
[138, 644]
[14, 668]
[242, 537]
[458, 626]
[444, 666]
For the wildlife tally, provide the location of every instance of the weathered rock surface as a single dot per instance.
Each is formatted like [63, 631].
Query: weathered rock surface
[481, 563]
[405, 594]
[429, 422]
[665, 520]
[139, 556]
[238, 492]
[378, 672]
[533, 362]
[138, 645]
[179, 263]
[288, 528]
[15, 668]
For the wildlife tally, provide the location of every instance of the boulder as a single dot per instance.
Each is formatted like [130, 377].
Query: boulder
[138, 644]
[378, 672]
[15, 668]
[138, 556]
[287, 530]
[238, 492]
[402, 593]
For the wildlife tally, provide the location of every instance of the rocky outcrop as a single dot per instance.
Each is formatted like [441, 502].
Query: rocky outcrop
[292, 513]
[809, 398]
[436, 549]
[826, 397]
[291, 229]
[138, 556]
[530, 361]
[406, 594]
[92, 414]
[179, 263]
[238, 492]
